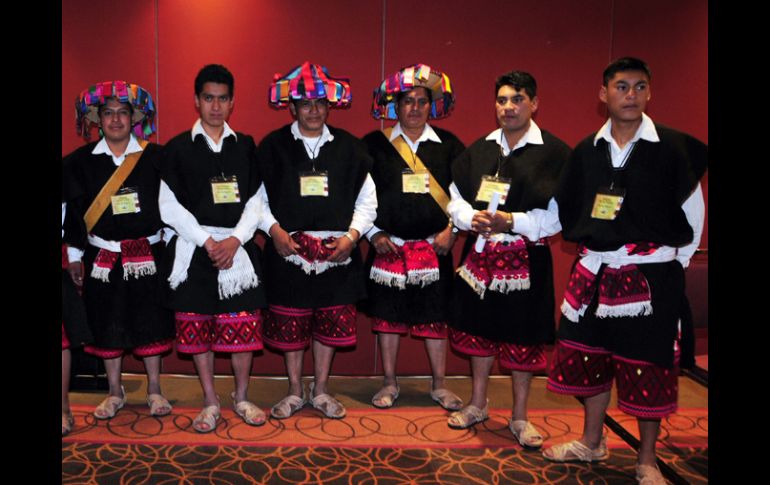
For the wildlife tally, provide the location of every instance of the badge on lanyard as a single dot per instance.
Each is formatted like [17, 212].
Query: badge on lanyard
[490, 184]
[225, 190]
[607, 203]
[125, 201]
[314, 184]
[415, 182]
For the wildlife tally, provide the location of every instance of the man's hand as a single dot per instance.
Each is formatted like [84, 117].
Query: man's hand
[75, 269]
[222, 252]
[487, 224]
[382, 243]
[342, 247]
[284, 244]
[444, 241]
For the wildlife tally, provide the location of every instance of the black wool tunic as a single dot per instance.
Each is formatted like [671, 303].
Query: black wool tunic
[658, 177]
[122, 314]
[187, 167]
[347, 163]
[522, 317]
[410, 216]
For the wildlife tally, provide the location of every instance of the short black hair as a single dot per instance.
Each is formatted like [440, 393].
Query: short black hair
[214, 73]
[402, 94]
[625, 64]
[518, 80]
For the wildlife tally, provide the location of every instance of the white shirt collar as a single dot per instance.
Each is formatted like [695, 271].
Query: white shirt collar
[102, 148]
[197, 129]
[428, 134]
[533, 136]
[309, 142]
[646, 131]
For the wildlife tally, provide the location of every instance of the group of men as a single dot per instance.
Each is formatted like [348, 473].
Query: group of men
[181, 221]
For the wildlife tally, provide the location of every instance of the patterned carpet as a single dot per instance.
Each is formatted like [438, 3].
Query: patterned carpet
[399, 446]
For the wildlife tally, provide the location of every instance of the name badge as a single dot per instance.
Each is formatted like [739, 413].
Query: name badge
[314, 184]
[126, 201]
[607, 203]
[415, 182]
[490, 185]
[225, 190]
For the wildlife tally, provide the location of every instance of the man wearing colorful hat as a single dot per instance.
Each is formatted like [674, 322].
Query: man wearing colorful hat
[323, 199]
[502, 190]
[630, 196]
[114, 233]
[410, 269]
[214, 284]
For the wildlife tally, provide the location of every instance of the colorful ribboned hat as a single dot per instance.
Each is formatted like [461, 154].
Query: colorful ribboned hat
[87, 106]
[410, 77]
[309, 81]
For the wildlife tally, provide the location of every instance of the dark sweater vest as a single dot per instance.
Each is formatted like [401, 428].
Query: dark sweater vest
[282, 159]
[533, 169]
[411, 216]
[84, 175]
[657, 177]
[188, 167]
[346, 161]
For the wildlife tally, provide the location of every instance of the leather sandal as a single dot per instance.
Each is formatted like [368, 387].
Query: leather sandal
[526, 433]
[207, 417]
[110, 406]
[447, 399]
[649, 475]
[286, 407]
[159, 405]
[385, 397]
[249, 412]
[575, 451]
[330, 407]
[468, 416]
[67, 421]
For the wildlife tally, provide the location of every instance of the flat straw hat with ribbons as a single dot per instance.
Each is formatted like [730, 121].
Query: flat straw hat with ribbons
[87, 106]
[410, 77]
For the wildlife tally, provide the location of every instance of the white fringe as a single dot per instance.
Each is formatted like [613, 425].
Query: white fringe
[386, 278]
[316, 267]
[507, 285]
[306, 265]
[138, 270]
[239, 277]
[101, 274]
[182, 257]
[475, 284]
[422, 277]
[638, 309]
[233, 281]
[572, 314]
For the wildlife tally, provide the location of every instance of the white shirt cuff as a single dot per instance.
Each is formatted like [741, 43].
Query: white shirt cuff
[74, 255]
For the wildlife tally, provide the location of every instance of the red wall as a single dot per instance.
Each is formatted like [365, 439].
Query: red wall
[564, 44]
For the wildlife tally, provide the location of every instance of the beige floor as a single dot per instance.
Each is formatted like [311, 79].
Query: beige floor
[356, 392]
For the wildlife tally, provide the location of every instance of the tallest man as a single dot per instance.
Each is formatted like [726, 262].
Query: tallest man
[630, 197]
